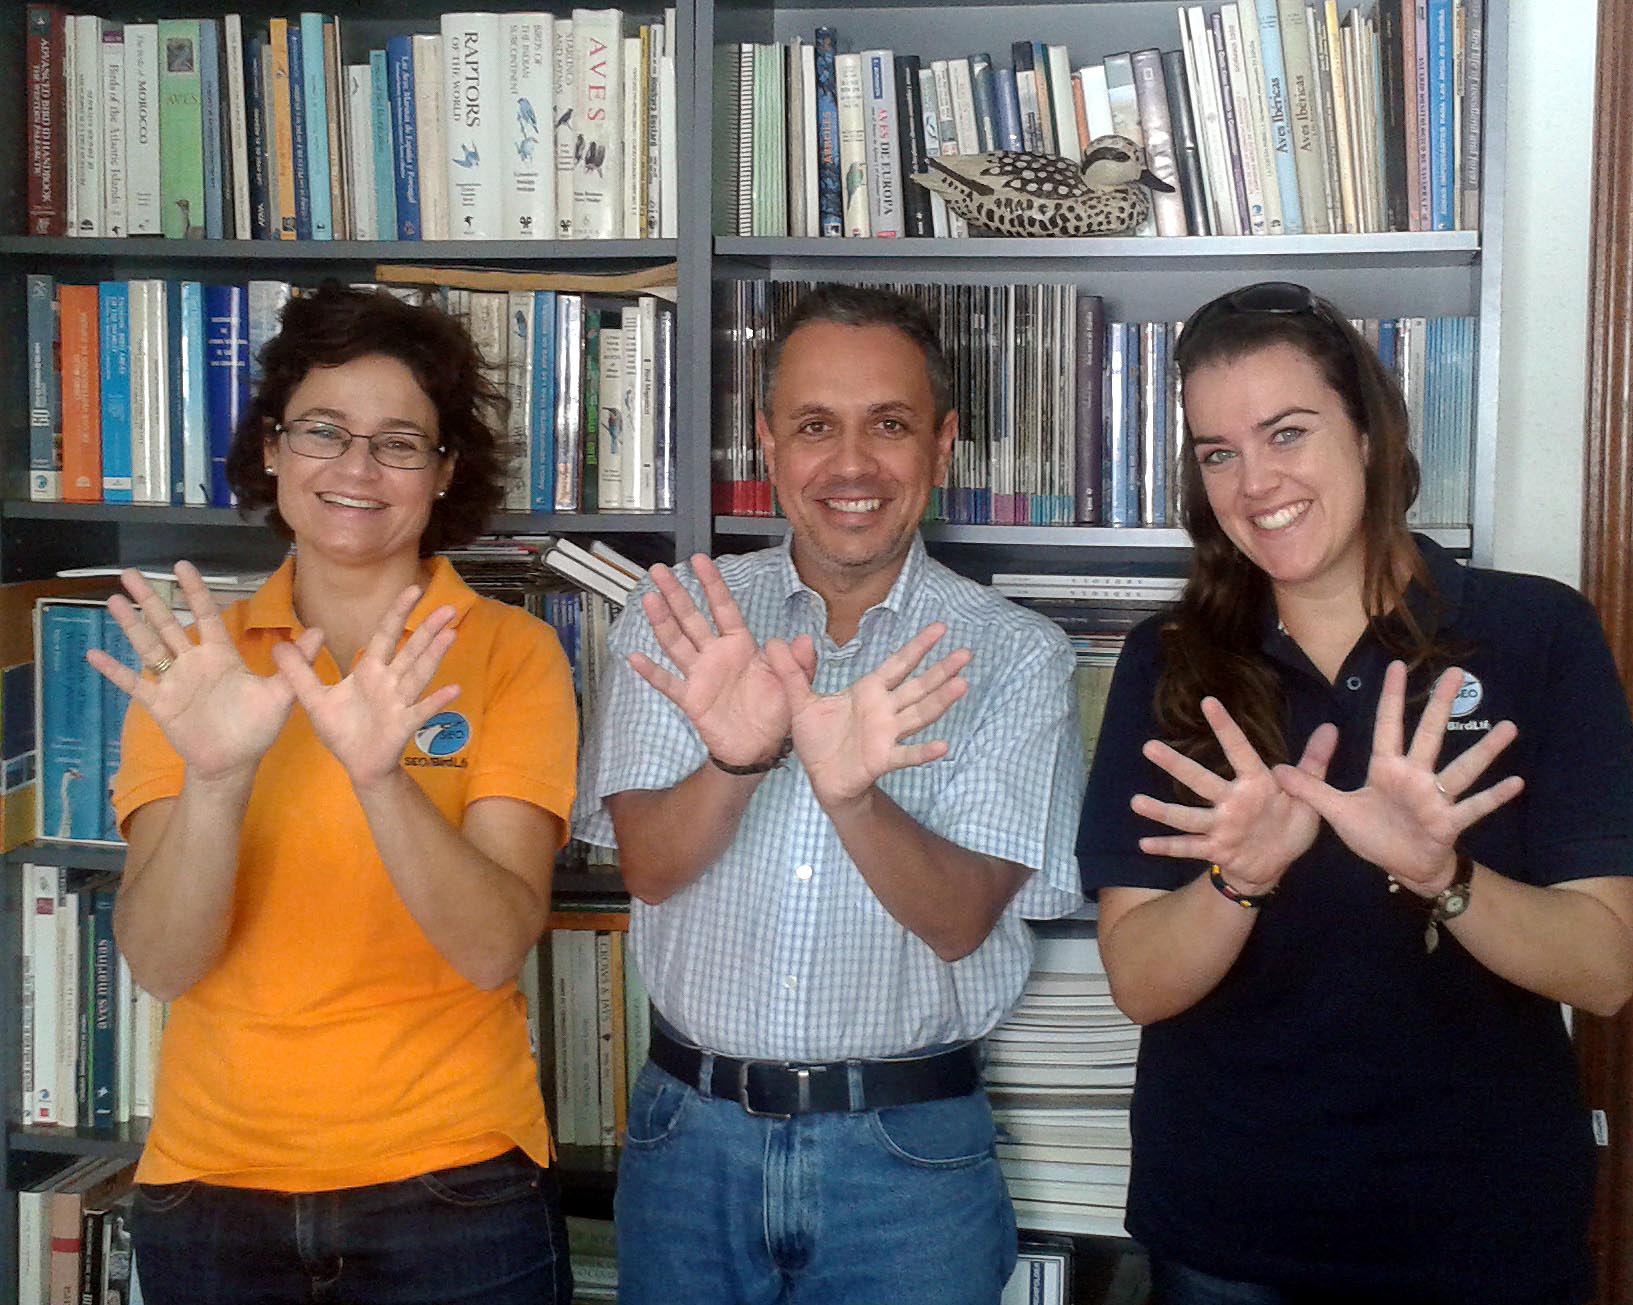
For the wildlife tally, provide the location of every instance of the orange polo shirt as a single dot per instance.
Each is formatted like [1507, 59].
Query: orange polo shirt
[332, 1045]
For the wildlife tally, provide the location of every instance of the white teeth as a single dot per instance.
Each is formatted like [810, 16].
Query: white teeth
[856, 504]
[1281, 518]
[340, 500]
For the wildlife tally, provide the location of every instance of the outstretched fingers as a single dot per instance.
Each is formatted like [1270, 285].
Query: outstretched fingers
[902, 663]
[1193, 774]
[1430, 734]
[1239, 752]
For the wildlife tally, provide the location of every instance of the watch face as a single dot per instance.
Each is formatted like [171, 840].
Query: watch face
[1453, 902]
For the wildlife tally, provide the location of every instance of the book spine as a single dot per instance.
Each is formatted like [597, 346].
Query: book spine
[1281, 134]
[364, 209]
[114, 703]
[86, 119]
[611, 428]
[632, 120]
[313, 125]
[1419, 114]
[598, 158]
[143, 181]
[1049, 138]
[1260, 135]
[103, 1077]
[668, 139]
[43, 921]
[236, 128]
[195, 406]
[646, 325]
[1240, 107]
[986, 102]
[1443, 140]
[1392, 98]
[604, 1035]
[829, 192]
[1187, 160]
[542, 428]
[404, 138]
[569, 396]
[1339, 219]
[1151, 94]
[71, 717]
[883, 159]
[114, 304]
[281, 96]
[1067, 142]
[44, 392]
[300, 127]
[430, 126]
[1299, 68]
[1089, 357]
[473, 97]
[528, 177]
[382, 155]
[910, 117]
[181, 130]
[1007, 110]
[115, 192]
[519, 357]
[589, 429]
[853, 138]
[258, 150]
[47, 122]
[81, 395]
[339, 133]
[1474, 62]
[210, 106]
[564, 134]
[653, 47]
[1230, 128]
[226, 360]
[664, 408]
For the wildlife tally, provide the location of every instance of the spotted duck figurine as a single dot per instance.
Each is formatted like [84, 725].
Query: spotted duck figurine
[1018, 193]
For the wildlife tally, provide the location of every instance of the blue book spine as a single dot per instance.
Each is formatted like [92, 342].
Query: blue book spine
[827, 127]
[1281, 133]
[210, 96]
[1121, 498]
[103, 1076]
[986, 101]
[313, 90]
[226, 365]
[260, 194]
[298, 153]
[1442, 149]
[195, 438]
[44, 392]
[113, 302]
[1007, 108]
[71, 714]
[114, 705]
[385, 190]
[404, 137]
[1386, 342]
[175, 407]
[1161, 460]
[543, 434]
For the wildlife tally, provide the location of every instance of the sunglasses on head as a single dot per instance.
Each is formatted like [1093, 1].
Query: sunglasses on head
[1286, 297]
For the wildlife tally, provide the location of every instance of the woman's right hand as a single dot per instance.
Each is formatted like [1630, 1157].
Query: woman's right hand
[219, 715]
[1250, 828]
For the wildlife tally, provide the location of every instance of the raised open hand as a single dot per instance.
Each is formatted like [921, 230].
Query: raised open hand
[368, 717]
[1406, 818]
[725, 685]
[1252, 828]
[848, 740]
[219, 715]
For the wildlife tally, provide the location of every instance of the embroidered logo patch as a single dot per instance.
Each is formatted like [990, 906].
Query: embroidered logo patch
[444, 735]
[1468, 698]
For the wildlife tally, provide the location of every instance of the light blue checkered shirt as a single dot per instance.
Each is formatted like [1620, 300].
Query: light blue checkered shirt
[781, 951]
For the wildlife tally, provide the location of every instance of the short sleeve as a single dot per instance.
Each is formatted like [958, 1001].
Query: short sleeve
[1017, 778]
[1109, 833]
[1579, 792]
[149, 768]
[529, 740]
[638, 739]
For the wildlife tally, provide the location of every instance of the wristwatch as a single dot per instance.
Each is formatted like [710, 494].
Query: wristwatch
[1453, 899]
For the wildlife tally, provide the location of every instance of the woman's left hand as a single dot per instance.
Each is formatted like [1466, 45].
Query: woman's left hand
[369, 716]
[1406, 819]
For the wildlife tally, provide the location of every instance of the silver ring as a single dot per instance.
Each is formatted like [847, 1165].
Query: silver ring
[162, 665]
[1441, 789]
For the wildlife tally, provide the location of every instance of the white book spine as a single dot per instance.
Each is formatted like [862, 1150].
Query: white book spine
[238, 124]
[1242, 105]
[142, 128]
[561, 998]
[519, 379]
[472, 99]
[88, 129]
[1096, 99]
[646, 401]
[563, 130]
[527, 155]
[42, 896]
[598, 154]
[633, 117]
[958, 80]
[124, 1038]
[430, 123]
[652, 104]
[885, 209]
[360, 157]
[1060, 75]
[142, 1019]
[668, 134]
[853, 144]
[68, 967]
[611, 430]
[71, 117]
[629, 404]
[931, 116]
[603, 1039]
[25, 1049]
[808, 116]
[157, 453]
[947, 133]
[115, 197]
[1262, 143]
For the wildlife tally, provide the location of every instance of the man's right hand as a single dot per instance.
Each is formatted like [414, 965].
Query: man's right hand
[728, 691]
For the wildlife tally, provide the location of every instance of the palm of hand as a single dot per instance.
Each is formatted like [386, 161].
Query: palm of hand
[1257, 823]
[845, 740]
[217, 713]
[363, 720]
[735, 700]
[1397, 820]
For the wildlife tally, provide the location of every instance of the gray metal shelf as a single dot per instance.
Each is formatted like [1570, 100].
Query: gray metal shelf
[511, 252]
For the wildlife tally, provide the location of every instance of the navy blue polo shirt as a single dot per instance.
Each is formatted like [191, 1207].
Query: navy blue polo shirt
[1346, 1111]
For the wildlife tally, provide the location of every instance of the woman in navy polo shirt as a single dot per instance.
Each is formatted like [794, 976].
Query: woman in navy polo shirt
[1354, 1083]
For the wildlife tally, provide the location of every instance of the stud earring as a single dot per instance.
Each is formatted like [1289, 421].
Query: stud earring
[271, 470]
[442, 493]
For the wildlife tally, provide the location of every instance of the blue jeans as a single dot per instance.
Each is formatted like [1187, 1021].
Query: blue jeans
[718, 1207]
[491, 1232]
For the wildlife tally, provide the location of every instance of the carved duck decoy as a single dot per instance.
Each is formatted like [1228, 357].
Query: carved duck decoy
[1018, 193]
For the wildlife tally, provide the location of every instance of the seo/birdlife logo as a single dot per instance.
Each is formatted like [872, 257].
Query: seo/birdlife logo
[1469, 695]
[444, 735]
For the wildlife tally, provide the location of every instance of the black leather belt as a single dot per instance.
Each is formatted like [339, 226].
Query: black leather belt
[782, 1089]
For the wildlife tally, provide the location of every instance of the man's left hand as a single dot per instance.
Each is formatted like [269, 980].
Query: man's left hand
[847, 740]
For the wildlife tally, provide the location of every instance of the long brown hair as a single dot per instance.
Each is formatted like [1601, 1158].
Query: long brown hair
[1212, 641]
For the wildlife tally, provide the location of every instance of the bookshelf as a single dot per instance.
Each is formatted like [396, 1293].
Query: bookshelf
[1420, 273]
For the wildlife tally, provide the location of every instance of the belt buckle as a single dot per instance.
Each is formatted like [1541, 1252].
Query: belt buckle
[802, 1074]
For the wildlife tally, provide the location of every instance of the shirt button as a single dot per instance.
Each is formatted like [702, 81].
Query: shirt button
[1353, 683]
[803, 873]
[790, 983]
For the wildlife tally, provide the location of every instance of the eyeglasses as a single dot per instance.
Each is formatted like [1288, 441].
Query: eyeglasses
[400, 450]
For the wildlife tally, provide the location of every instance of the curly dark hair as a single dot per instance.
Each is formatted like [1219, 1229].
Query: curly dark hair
[336, 324]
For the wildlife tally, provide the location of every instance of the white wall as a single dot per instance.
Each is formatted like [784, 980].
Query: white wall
[1545, 287]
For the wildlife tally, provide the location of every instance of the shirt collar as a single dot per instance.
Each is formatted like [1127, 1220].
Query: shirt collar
[895, 601]
[272, 606]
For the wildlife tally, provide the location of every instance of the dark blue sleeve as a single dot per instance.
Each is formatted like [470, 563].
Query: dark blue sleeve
[1579, 791]
[1109, 833]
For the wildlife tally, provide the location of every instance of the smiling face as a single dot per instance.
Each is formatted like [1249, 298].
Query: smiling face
[854, 448]
[351, 509]
[1283, 466]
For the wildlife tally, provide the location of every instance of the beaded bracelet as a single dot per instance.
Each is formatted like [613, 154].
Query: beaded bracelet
[1248, 903]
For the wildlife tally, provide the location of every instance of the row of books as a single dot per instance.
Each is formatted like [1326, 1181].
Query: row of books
[1272, 118]
[136, 388]
[73, 1235]
[495, 126]
[90, 1035]
[1069, 417]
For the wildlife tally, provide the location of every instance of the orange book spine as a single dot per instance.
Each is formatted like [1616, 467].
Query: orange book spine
[81, 396]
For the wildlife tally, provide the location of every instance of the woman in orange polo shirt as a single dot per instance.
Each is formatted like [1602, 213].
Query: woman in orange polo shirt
[343, 798]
